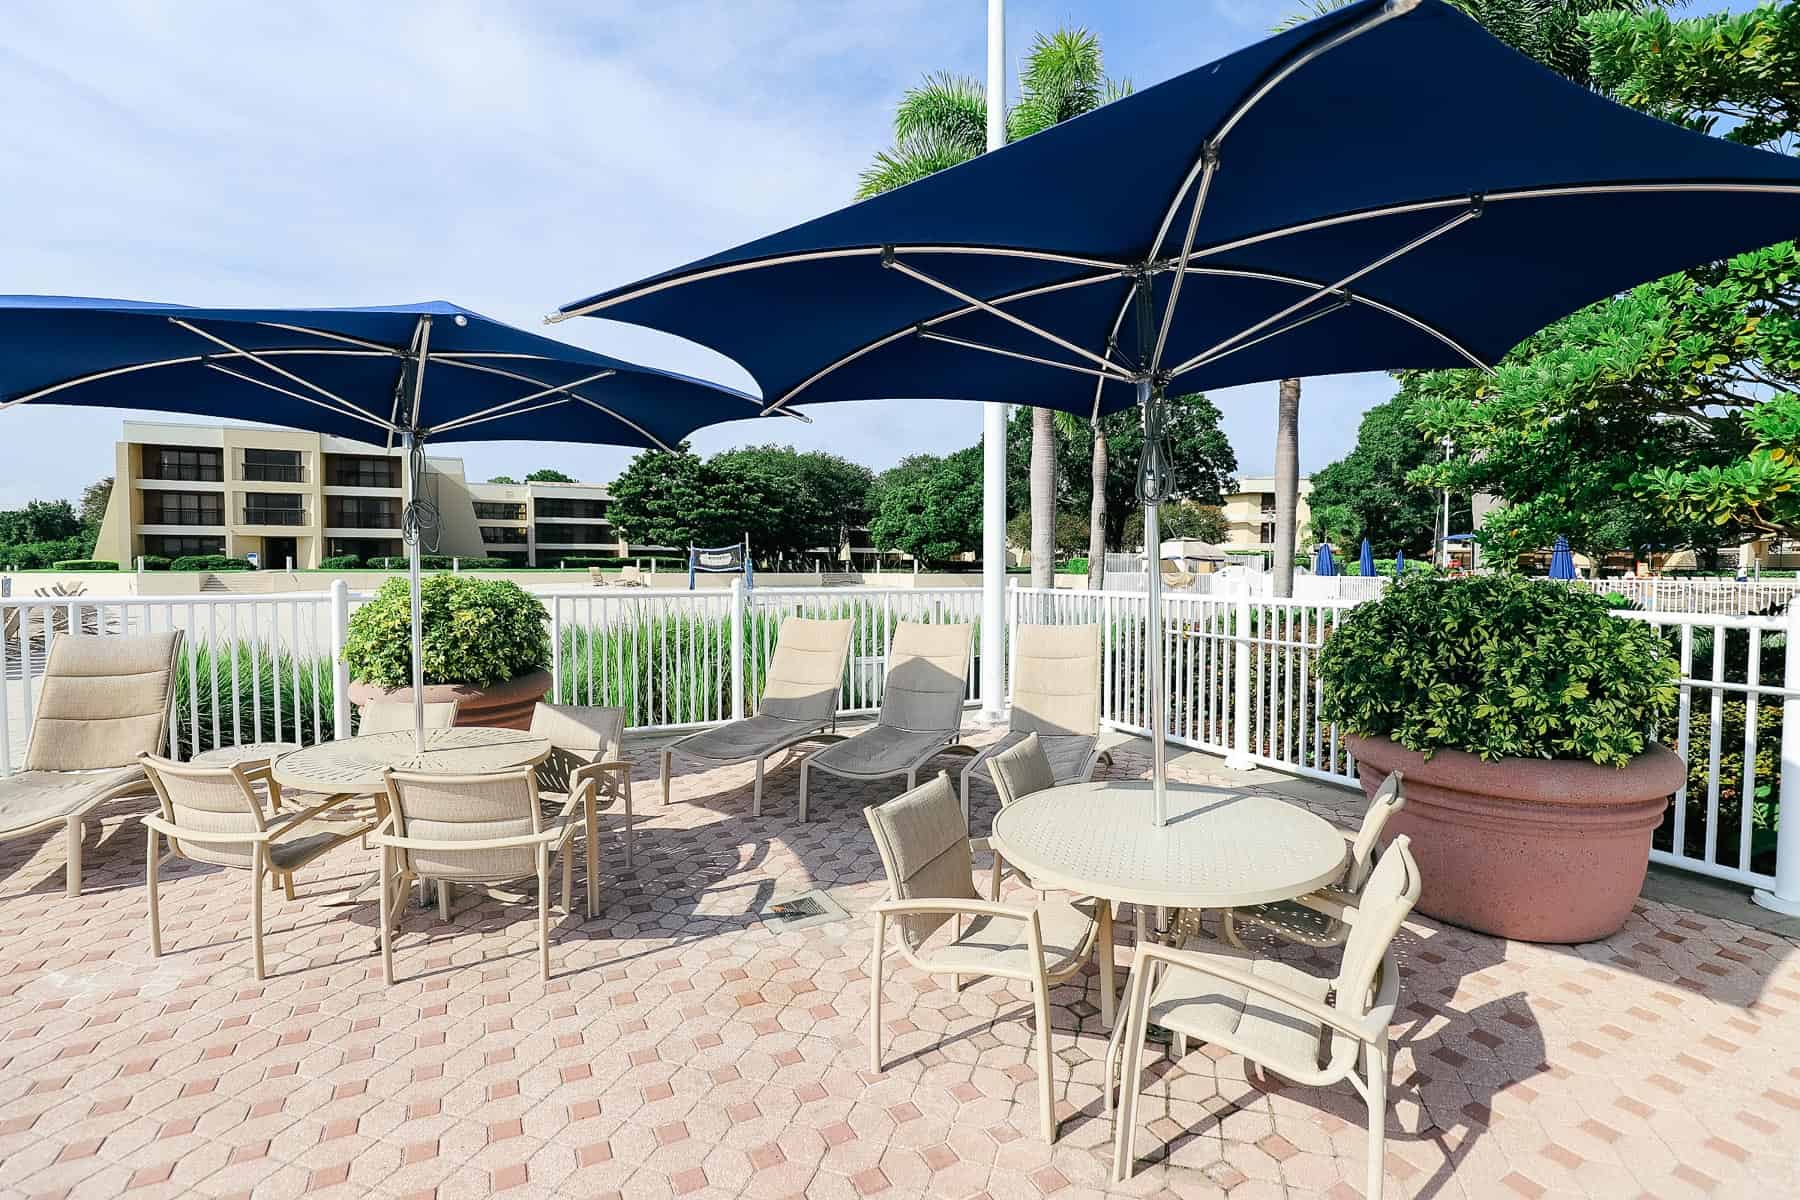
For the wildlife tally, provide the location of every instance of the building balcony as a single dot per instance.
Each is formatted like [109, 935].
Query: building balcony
[274, 516]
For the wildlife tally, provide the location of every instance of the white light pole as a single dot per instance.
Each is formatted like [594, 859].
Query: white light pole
[993, 434]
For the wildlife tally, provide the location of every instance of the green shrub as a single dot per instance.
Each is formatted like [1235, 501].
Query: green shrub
[37, 556]
[211, 562]
[154, 562]
[254, 686]
[1499, 666]
[85, 564]
[583, 561]
[438, 562]
[479, 631]
[1076, 566]
[340, 562]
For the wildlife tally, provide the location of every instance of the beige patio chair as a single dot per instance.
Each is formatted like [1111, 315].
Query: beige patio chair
[1311, 1030]
[799, 704]
[472, 829]
[928, 855]
[103, 702]
[1056, 695]
[215, 815]
[921, 709]
[596, 577]
[631, 575]
[1322, 918]
[396, 716]
[584, 747]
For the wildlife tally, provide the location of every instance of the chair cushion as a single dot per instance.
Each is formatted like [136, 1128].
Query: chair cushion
[882, 750]
[988, 943]
[28, 798]
[752, 737]
[1278, 1036]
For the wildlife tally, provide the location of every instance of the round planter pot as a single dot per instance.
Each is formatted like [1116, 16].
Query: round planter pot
[503, 706]
[1526, 848]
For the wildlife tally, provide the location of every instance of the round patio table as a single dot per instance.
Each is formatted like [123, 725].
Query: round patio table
[355, 765]
[245, 754]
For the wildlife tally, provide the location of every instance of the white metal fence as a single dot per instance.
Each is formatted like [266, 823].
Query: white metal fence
[1697, 594]
[1241, 680]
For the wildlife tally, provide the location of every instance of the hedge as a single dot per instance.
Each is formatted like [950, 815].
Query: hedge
[36, 556]
[155, 562]
[211, 562]
[437, 562]
[85, 564]
[574, 561]
[340, 562]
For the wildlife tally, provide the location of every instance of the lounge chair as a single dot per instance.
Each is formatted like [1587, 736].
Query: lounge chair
[1323, 918]
[921, 709]
[215, 815]
[928, 855]
[396, 716]
[1056, 695]
[104, 701]
[473, 829]
[799, 704]
[584, 745]
[1311, 1030]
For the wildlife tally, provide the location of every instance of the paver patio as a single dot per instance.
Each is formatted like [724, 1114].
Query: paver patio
[684, 1047]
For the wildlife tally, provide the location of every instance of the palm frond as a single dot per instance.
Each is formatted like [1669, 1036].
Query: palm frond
[1309, 10]
[1063, 77]
[1071, 427]
[947, 108]
[908, 161]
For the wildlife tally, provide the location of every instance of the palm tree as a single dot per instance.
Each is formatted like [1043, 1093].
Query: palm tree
[943, 122]
[1287, 483]
[1071, 428]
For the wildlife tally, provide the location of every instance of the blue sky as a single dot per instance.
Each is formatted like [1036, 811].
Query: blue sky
[507, 156]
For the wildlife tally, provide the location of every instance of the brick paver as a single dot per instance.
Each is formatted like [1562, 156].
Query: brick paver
[684, 1048]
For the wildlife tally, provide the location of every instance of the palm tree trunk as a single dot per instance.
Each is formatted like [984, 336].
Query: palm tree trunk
[1043, 498]
[1097, 514]
[1287, 483]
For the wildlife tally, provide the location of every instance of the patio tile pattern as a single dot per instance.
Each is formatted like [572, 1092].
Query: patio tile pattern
[685, 1048]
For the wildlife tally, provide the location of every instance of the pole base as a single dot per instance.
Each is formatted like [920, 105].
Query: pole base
[1239, 762]
[1769, 900]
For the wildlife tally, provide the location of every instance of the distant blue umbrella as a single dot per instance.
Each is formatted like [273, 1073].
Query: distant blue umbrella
[1366, 567]
[1562, 563]
[1322, 561]
[1399, 563]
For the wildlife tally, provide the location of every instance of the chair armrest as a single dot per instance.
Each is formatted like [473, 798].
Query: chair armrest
[1364, 1030]
[1338, 906]
[548, 837]
[597, 772]
[968, 908]
[287, 821]
[187, 835]
[578, 799]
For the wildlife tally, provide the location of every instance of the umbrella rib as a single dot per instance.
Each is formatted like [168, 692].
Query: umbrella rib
[1210, 156]
[465, 422]
[503, 409]
[1344, 301]
[357, 414]
[564, 390]
[346, 405]
[1472, 212]
[96, 376]
[967, 344]
[334, 337]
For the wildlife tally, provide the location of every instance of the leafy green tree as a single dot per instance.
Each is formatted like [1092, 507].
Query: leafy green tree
[1183, 519]
[549, 475]
[1071, 533]
[94, 499]
[1367, 494]
[929, 506]
[40, 521]
[806, 500]
[503, 479]
[943, 122]
[666, 499]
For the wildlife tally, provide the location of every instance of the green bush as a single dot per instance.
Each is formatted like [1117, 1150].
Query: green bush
[85, 564]
[340, 562]
[154, 562]
[582, 561]
[1499, 666]
[37, 556]
[1076, 566]
[438, 562]
[252, 694]
[211, 562]
[479, 631]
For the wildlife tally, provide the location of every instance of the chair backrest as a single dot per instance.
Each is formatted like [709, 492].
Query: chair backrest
[1389, 799]
[476, 809]
[924, 845]
[396, 716]
[1020, 770]
[1056, 680]
[806, 670]
[1386, 900]
[631, 573]
[580, 735]
[105, 701]
[595, 577]
[210, 800]
[927, 677]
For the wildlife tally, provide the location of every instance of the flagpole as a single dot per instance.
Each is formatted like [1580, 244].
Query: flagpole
[993, 434]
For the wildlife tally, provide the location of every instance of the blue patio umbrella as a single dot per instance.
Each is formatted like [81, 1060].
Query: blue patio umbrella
[1399, 563]
[1366, 567]
[1323, 563]
[404, 374]
[1385, 186]
[1562, 562]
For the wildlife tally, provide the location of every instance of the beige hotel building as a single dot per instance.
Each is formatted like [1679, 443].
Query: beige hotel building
[278, 496]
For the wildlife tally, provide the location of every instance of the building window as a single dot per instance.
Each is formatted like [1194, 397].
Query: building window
[184, 508]
[364, 548]
[262, 509]
[362, 512]
[494, 510]
[499, 534]
[272, 466]
[354, 470]
[175, 547]
[575, 535]
[194, 464]
[583, 510]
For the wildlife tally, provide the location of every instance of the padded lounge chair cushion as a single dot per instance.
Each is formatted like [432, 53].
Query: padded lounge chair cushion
[882, 750]
[806, 671]
[752, 737]
[29, 798]
[103, 702]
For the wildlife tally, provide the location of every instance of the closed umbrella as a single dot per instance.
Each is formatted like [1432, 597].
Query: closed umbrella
[1323, 563]
[1366, 567]
[1562, 562]
[405, 374]
[1385, 186]
[1399, 563]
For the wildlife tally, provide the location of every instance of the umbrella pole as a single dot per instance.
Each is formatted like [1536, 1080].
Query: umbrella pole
[1153, 674]
[418, 609]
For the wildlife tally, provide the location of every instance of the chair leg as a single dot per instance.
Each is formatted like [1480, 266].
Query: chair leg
[150, 887]
[287, 884]
[666, 756]
[593, 853]
[1103, 946]
[805, 772]
[544, 913]
[256, 911]
[568, 886]
[1376, 1058]
[1130, 1072]
[72, 877]
[443, 897]
[1229, 927]
[1046, 1061]
[630, 821]
[875, 958]
[387, 916]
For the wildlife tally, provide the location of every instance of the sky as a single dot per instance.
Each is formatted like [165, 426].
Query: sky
[510, 157]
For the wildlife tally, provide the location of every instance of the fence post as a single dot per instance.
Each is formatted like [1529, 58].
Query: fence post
[340, 669]
[1785, 898]
[737, 649]
[1239, 758]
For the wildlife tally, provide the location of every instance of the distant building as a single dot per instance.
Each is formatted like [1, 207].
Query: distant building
[1250, 514]
[281, 496]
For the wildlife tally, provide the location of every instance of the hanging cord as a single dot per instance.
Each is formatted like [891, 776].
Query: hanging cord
[420, 521]
[1155, 477]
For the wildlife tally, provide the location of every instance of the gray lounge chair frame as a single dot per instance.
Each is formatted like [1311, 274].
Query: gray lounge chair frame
[921, 709]
[104, 702]
[799, 704]
[1056, 695]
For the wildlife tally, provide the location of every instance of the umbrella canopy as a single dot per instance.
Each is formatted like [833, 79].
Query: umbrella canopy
[1562, 562]
[409, 372]
[1399, 563]
[1323, 563]
[1366, 567]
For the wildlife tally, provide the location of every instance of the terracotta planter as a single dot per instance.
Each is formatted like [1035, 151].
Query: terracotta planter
[1532, 849]
[503, 706]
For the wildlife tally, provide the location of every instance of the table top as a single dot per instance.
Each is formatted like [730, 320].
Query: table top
[244, 754]
[1221, 848]
[355, 764]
